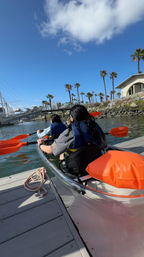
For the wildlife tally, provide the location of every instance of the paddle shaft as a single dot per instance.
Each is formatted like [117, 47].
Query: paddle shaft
[11, 146]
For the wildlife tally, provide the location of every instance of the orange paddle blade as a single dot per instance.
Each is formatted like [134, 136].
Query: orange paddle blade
[94, 114]
[20, 137]
[119, 131]
[11, 148]
[9, 143]
[16, 138]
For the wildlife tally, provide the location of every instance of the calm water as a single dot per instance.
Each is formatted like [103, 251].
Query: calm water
[27, 157]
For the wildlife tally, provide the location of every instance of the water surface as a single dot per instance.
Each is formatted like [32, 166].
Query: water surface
[27, 157]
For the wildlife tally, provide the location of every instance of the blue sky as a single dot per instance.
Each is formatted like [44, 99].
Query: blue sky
[46, 44]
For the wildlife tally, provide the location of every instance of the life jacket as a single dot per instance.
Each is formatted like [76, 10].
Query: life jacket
[84, 149]
[82, 137]
[56, 129]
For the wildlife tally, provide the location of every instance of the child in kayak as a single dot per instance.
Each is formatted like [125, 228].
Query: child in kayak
[55, 129]
[80, 143]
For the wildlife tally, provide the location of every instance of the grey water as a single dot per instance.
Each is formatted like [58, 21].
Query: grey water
[27, 157]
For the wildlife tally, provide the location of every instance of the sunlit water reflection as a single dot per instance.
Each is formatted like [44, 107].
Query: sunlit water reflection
[27, 157]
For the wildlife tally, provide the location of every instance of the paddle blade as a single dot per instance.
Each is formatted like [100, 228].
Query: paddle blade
[20, 137]
[23, 136]
[11, 148]
[9, 143]
[94, 114]
[13, 139]
[119, 131]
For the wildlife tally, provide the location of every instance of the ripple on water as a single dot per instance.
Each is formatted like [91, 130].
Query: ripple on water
[27, 157]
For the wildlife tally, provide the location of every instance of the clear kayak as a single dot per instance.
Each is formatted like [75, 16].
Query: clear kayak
[109, 219]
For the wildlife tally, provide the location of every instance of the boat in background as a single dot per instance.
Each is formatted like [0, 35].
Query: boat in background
[5, 111]
[6, 124]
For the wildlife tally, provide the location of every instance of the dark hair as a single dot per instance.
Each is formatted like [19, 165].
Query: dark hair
[55, 118]
[80, 113]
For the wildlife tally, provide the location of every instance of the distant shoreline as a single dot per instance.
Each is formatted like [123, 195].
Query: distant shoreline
[121, 111]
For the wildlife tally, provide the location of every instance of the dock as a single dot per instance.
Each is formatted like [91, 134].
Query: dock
[135, 145]
[34, 226]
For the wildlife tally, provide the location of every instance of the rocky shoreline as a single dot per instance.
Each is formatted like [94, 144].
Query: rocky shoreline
[122, 111]
[129, 107]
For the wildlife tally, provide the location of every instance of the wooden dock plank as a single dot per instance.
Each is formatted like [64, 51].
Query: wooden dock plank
[18, 192]
[34, 226]
[23, 204]
[39, 241]
[69, 250]
[135, 145]
[14, 180]
[27, 220]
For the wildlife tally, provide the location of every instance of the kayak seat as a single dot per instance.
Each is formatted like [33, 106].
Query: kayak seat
[84, 179]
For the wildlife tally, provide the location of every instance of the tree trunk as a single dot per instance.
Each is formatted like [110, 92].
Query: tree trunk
[105, 89]
[69, 96]
[78, 95]
[138, 65]
[113, 87]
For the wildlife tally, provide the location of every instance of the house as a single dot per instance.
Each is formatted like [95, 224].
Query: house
[133, 85]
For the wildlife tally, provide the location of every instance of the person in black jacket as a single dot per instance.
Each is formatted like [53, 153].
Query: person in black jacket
[80, 143]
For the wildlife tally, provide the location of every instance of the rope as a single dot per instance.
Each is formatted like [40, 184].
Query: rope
[38, 176]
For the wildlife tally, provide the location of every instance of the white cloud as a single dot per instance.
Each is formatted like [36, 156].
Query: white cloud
[90, 20]
[68, 52]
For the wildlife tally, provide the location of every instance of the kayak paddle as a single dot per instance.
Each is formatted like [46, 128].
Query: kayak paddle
[13, 146]
[9, 143]
[19, 137]
[7, 149]
[118, 132]
[94, 114]
[22, 136]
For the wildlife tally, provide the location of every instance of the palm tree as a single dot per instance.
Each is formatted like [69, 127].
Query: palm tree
[44, 103]
[101, 96]
[69, 88]
[118, 94]
[112, 76]
[47, 103]
[77, 85]
[75, 100]
[82, 94]
[89, 96]
[95, 98]
[112, 92]
[50, 97]
[137, 56]
[111, 95]
[73, 95]
[35, 108]
[103, 73]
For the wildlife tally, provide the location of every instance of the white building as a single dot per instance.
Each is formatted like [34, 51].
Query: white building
[133, 85]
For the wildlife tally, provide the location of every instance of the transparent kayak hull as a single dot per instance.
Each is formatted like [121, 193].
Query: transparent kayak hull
[110, 220]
